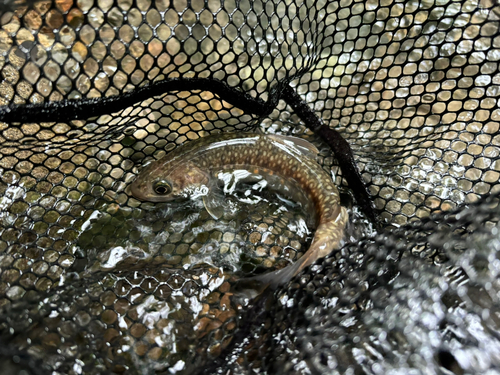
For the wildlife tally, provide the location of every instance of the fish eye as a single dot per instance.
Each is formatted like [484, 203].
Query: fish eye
[162, 187]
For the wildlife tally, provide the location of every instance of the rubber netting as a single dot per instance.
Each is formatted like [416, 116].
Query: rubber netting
[93, 281]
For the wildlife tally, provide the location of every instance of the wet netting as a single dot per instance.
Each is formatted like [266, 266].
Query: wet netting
[94, 281]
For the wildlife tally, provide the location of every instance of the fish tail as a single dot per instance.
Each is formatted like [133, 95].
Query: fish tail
[327, 238]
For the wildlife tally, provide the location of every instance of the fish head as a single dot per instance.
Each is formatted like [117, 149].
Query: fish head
[160, 182]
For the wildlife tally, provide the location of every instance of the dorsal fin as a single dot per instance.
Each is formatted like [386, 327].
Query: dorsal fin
[301, 145]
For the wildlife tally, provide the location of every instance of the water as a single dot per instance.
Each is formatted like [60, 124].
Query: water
[150, 289]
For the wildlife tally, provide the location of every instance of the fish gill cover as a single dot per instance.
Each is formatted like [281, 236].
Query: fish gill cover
[92, 281]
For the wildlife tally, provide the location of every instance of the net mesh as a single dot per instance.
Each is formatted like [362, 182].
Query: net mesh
[92, 90]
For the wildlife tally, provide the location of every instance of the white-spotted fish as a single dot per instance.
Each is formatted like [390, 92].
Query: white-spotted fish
[286, 163]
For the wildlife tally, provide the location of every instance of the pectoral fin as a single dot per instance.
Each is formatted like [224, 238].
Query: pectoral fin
[214, 204]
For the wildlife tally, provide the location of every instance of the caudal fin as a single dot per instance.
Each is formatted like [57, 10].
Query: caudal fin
[327, 238]
[251, 287]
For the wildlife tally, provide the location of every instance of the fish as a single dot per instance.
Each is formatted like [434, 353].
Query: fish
[287, 164]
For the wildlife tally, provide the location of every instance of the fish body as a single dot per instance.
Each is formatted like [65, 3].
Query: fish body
[287, 163]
